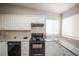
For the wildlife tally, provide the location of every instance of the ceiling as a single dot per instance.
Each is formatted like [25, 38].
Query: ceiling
[50, 7]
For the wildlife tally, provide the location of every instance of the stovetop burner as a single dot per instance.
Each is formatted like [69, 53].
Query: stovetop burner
[37, 36]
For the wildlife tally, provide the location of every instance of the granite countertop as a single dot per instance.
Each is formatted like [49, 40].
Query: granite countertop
[27, 40]
[17, 39]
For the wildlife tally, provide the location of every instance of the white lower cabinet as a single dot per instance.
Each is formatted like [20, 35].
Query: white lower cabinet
[51, 49]
[3, 48]
[54, 49]
[0, 48]
[25, 48]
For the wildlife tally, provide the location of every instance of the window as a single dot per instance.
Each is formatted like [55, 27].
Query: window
[52, 27]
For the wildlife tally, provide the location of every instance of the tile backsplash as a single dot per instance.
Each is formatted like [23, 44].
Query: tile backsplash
[15, 34]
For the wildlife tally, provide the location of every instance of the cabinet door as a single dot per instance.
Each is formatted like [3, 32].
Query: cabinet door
[53, 49]
[25, 48]
[21, 23]
[65, 52]
[14, 22]
[0, 48]
[4, 49]
[37, 19]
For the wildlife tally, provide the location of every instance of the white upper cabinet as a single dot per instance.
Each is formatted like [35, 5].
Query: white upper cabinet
[37, 19]
[18, 22]
[14, 22]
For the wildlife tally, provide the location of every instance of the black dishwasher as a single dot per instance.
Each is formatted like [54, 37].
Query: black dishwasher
[14, 48]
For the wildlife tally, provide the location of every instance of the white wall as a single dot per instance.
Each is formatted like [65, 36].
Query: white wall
[70, 26]
[72, 11]
[13, 9]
